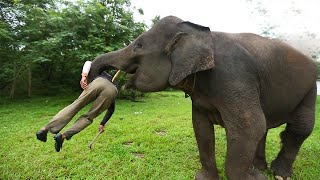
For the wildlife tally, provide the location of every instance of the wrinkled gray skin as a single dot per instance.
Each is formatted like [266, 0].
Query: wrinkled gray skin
[243, 82]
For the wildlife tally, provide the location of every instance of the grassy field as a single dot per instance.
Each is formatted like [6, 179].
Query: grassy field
[151, 139]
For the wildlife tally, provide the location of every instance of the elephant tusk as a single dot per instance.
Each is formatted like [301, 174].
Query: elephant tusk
[114, 77]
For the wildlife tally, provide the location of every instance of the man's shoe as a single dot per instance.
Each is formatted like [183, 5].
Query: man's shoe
[42, 135]
[59, 140]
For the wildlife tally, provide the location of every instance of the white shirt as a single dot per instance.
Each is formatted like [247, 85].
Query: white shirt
[86, 68]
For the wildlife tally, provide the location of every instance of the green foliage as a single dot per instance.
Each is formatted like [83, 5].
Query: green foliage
[55, 38]
[155, 20]
[159, 128]
[318, 68]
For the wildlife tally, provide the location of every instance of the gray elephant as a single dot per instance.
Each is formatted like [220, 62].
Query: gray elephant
[243, 82]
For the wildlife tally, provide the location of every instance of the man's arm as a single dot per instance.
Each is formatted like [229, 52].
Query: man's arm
[84, 74]
[107, 116]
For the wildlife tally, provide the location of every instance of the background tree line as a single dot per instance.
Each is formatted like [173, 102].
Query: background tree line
[44, 43]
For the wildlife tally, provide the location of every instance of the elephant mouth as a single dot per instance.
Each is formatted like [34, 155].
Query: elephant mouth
[130, 69]
[130, 83]
[127, 70]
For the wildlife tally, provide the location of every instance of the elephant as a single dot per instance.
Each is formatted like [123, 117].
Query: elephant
[241, 81]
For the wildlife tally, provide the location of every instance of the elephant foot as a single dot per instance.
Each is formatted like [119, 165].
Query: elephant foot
[256, 175]
[281, 178]
[206, 175]
[281, 170]
[260, 164]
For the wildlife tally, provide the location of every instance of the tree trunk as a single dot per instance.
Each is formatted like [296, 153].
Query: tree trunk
[29, 81]
[13, 86]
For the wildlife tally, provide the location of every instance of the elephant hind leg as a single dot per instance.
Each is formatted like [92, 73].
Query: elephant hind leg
[295, 134]
[260, 161]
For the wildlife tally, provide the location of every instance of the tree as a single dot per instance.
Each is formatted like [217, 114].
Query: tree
[18, 20]
[48, 41]
[155, 20]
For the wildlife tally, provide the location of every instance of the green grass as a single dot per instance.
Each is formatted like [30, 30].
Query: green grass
[158, 128]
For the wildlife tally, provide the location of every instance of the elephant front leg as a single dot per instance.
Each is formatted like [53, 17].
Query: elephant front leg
[244, 132]
[204, 134]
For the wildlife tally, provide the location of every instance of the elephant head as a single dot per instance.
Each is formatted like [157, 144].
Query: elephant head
[161, 57]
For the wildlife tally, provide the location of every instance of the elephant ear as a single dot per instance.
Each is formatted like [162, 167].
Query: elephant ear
[190, 51]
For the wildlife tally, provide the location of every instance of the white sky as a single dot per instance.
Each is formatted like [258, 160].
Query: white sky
[235, 15]
[243, 16]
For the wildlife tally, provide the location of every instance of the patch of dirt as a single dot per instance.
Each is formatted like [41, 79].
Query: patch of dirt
[138, 155]
[128, 143]
[161, 132]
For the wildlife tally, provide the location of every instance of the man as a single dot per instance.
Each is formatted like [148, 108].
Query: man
[101, 90]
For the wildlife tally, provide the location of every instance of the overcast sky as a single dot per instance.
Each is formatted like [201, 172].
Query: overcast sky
[236, 15]
[292, 18]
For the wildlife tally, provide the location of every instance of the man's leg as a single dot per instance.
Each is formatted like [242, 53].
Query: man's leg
[106, 94]
[103, 101]
[62, 118]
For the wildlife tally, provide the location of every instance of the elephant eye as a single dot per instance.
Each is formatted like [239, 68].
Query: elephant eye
[138, 45]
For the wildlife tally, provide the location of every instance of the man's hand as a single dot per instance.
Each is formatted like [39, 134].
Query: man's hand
[83, 82]
[101, 128]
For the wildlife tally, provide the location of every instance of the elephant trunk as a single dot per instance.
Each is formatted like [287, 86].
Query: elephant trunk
[106, 61]
[98, 65]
